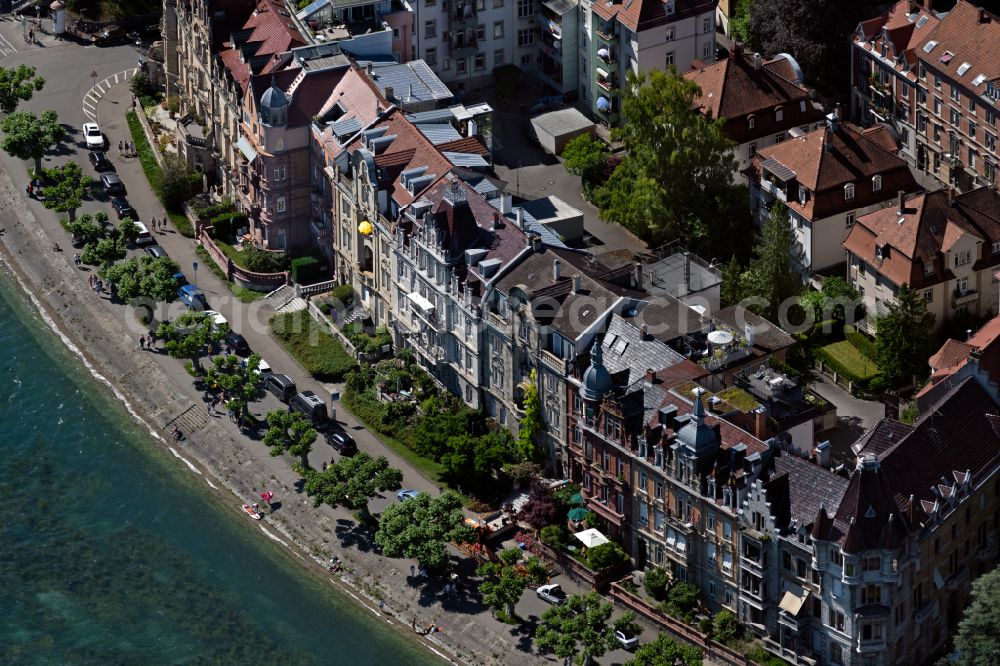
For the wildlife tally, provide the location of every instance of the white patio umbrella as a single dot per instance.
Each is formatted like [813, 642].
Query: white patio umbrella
[591, 538]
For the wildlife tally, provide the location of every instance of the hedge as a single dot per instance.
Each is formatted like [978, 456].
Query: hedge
[305, 270]
[321, 354]
[860, 341]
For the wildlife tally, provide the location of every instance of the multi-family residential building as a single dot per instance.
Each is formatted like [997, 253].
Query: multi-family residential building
[637, 36]
[936, 79]
[946, 246]
[884, 84]
[956, 360]
[761, 101]
[827, 178]
[362, 28]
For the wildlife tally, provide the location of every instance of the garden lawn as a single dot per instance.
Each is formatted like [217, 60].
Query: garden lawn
[317, 351]
[853, 360]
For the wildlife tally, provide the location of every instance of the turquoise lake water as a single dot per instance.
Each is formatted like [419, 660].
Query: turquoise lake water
[111, 552]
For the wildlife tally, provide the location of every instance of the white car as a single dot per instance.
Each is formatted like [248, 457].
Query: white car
[551, 593]
[93, 136]
[217, 319]
[627, 642]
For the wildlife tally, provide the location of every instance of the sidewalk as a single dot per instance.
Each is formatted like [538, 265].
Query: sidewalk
[159, 390]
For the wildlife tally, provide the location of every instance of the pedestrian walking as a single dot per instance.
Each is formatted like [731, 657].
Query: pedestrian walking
[100, 286]
[381, 604]
[413, 570]
[142, 342]
[131, 148]
[76, 259]
[211, 409]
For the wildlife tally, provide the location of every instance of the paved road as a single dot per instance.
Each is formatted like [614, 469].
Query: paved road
[854, 417]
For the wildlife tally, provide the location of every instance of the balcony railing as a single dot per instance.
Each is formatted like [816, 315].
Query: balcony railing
[963, 296]
[773, 188]
[607, 33]
[608, 84]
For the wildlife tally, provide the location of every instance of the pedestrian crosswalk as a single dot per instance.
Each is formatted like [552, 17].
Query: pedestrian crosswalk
[93, 97]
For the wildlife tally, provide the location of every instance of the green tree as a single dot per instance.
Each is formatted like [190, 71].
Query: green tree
[655, 582]
[421, 527]
[532, 424]
[291, 432]
[978, 638]
[739, 22]
[833, 301]
[665, 651]
[103, 253]
[141, 86]
[239, 380]
[725, 626]
[682, 600]
[86, 229]
[17, 84]
[606, 555]
[68, 186]
[732, 283]
[352, 482]
[677, 172]
[584, 156]
[189, 335]
[903, 337]
[772, 274]
[581, 626]
[474, 462]
[173, 181]
[27, 136]
[504, 581]
[144, 277]
[129, 231]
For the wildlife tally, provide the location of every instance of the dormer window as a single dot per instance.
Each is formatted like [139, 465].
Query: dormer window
[848, 191]
[670, 7]
[751, 121]
[803, 195]
[876, 183]
[779, 114]
[802, 106]
[881, 252]
[928, 268]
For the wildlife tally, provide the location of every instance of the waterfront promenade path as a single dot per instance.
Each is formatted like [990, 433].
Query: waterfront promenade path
[159, 390]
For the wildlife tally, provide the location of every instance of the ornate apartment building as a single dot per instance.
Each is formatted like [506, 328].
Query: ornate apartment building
[933, 78]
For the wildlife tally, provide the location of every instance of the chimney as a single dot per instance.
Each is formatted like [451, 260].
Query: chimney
[912, 7]
[496, 220]
[409, 91]
[556, 265]
[506, 203]
[823, 452]
[389, 93]
[536, 242]
[576, 284]
[519, 212]
[901, 202]
[968, 334]
[644, 332]
[737, 49]
[760, 423]
[638, 275]
[836, 111]
[650, 376]
[370, 70]
[757, 62]
[951, 196]
[748, 333]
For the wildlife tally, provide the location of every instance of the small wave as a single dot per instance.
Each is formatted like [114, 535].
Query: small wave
[54, 327]
[186, 461]
[273, 537]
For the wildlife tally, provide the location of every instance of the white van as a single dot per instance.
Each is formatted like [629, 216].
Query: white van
[144, 237]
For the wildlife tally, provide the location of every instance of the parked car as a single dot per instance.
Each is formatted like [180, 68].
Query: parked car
[93, 136]
[144, 237]
[180, 279]
[551, 593]
[281, 386]
[311, 406]
[99, 159]
[238, 344]
[192, 297]
[112, 184]
[123, 208]
[628, 642]
[263, 369]
[155, 251]
[110, 36]
[218, 320]
[406, 494]
[343, 443]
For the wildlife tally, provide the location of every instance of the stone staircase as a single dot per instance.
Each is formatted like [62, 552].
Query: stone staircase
[354, 314]
[190, 421]
[293, 305]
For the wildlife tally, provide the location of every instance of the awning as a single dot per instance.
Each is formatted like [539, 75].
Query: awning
[602, 72]
[246, 148]
[793, 600]
[603, 103]
[420, 301]
[365, 228]
[591, 538]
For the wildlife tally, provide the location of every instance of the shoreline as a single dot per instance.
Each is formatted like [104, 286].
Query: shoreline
[135, 381]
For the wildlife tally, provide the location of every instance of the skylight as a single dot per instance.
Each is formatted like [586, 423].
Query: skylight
[978, 81]
[921, 21]
[929, 46]
[963, 68]
[946, 57]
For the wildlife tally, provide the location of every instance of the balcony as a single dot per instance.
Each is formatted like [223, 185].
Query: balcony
[608, 83]
[463, 47]
[772, 187]
[607, 33]
[607, 56]
[788, 654]
[606, 511]
[962, 296]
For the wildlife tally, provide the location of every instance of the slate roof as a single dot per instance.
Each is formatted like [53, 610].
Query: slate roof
[880, 437]
[960, 433]
[810, 486]
[732, 89]
[626, 350]
[930, 224]
[411, 82]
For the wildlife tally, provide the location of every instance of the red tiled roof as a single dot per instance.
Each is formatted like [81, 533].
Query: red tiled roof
[639, 15]
[962, 33]
[468, 144]
[951, 354]
[901, 34]
[733, 89]
[272, 32]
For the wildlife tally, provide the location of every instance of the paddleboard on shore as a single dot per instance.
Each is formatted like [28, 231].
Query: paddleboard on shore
[250, 512]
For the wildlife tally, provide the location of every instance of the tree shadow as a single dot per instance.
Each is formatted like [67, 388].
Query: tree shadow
[299, 485]
[525, 633]
[352, 533]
